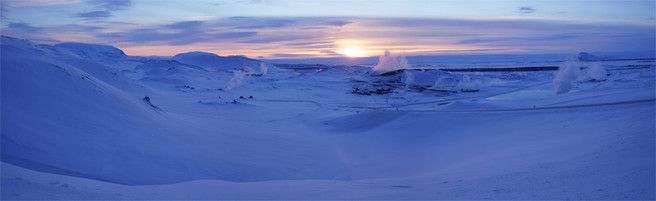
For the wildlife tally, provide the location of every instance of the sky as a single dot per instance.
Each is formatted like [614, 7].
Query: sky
[275, 29]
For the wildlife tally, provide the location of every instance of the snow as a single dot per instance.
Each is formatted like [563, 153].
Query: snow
[92, 50]
[77, 127]
[213, 62]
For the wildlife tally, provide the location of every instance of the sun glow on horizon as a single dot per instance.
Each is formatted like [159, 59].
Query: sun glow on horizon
[353, 48]
[352, 52]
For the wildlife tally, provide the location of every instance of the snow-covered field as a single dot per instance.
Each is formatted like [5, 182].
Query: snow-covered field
[84, 121]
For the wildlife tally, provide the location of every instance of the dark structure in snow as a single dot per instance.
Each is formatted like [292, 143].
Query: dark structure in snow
[147, 99]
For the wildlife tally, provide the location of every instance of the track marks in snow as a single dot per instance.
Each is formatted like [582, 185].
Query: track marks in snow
[540, 108]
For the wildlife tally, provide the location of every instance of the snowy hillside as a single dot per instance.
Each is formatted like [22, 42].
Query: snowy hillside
[92, 50]
[84, 121]
[213, 62]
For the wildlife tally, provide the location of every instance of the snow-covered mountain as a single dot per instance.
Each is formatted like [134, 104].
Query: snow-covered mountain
[92, 50]
[68, 115]
[213, 62]
[83, 121]
[71, 116]
[167, 70]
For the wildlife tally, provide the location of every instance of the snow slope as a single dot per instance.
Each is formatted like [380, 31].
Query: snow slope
[213, 62]
[77, 128]
[92, 50]
[66, 121]
[461, 163]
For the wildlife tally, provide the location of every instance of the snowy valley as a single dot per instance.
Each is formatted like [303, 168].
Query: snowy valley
[85, 121]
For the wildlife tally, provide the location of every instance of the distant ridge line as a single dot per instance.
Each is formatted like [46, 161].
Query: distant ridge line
[539, 108]
[512, 69]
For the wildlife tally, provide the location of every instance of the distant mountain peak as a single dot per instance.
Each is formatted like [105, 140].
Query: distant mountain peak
[196, 53]
[584, 56]
[86, 50]
[213, 62]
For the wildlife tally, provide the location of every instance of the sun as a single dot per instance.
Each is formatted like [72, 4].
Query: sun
[352, 52]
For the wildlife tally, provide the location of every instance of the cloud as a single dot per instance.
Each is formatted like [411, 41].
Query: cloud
[511, 40]
[183, 33]
[240, 22]
[337, 23]
[74, 28]
[94, 15]
[474, 26]
[526, 10]
[11, 4]
[292, 55]
[80, 28]
[330, 53]
[308, 28]
[277, 38]
[111, 5]
[3, 9]
[253, 2]
[271, 35]
[185, 25]
[104, 9]
[312, 43]
[24, 27]
[276, 23]
[441, 25]
[210, 37]
[429, 52]
[138, 35]
[233, 35]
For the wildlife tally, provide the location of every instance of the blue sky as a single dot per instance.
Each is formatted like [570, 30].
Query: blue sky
[299, 29]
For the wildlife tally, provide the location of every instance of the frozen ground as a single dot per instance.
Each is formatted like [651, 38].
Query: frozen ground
[76, 124]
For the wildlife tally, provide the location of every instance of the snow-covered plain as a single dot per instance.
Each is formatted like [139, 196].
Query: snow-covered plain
[84, 121]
